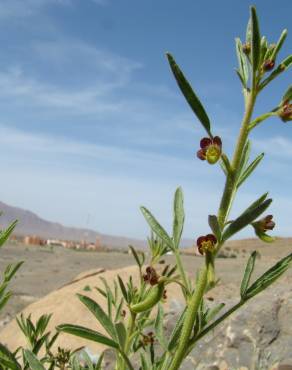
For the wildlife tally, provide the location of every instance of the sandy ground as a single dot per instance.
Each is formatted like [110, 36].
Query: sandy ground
[47, 269]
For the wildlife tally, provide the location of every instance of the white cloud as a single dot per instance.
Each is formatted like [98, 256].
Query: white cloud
[278, 146]
[103, 72]
[26, 8]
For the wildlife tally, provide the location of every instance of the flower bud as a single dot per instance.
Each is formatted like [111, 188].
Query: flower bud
[285, 112]
[264, 224]
[211, 149]
[268, 65]
[246, 48]
[151, 276]
[206, 243]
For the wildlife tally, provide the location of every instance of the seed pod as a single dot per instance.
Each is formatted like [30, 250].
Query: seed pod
[152, 298]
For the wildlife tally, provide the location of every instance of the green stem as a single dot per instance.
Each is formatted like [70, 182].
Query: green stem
[190, 318]
[260, 119]
[131, 327]
[230, 184]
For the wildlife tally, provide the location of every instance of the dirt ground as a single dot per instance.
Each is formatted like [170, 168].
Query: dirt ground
[47, 269]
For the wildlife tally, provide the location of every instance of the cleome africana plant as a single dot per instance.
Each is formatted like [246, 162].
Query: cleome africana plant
[134, 319]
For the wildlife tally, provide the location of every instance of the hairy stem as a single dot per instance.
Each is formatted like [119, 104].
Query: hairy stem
[189, 321]
[131, 328]
[224, 209]
[230, 184]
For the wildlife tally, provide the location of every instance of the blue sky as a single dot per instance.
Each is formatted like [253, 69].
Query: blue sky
[92, 123]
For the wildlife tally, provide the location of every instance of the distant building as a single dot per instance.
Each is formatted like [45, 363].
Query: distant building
[33, 240]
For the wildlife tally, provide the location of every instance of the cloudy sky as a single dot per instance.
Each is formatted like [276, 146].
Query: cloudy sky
[92, 123]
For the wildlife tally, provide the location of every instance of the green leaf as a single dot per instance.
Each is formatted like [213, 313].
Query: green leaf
[175, 335]
[100, 315]
[189, 94]
[283, 66]
[269, 277]
[33, 361]
[288, 95]
[156, 227]
[247, 274]
[264, 49]
[255, 40]
[11, 270]
[214, 225]
[244, 157]
[89, 334]
[7, 359]
[136, 256]
[144, 362]
[123, 289]
[99, 363]
[248, 36]
[4, 299]
[256, 203]
[242, 62]
[225, 164]
[248, 216]
[212, 313]
[122, 334]
[179, 216]
[4, 234]
[279, 44]
[264, 237]
[249, 170]
[159, 332]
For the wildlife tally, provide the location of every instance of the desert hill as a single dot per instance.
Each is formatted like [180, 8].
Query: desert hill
[32, 224]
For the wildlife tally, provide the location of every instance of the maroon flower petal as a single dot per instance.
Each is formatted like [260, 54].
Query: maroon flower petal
[200, 240]
[205, 142]
[217, 140]
[201, 154]
[212, 238]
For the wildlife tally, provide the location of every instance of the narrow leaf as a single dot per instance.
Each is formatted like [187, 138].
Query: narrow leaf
[122, 334]
[189, 94]
[156, 227]
[179, 216]
[243, 68]
[159, 332]
[33, 361]
[89, 334]
[123, 289]
[269, 277]
[135, 255]
[256, 203]
[175, 335]
[249, 170]
[288, 95]
[255, 40]
[247, 273]
[246, 218]
[283, 66]
[99, 314]
[4, 234]
[212, 313]
[215, 227]
[244, 157]
[11, 270]
[8, 359]
[279, 44]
